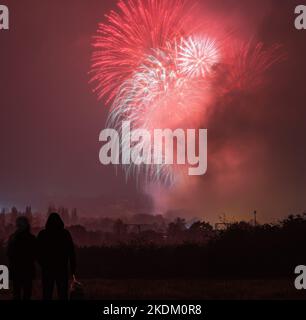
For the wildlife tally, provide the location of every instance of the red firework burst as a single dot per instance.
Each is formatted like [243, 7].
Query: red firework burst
[130, 34]
[158, 68]
[248, 64]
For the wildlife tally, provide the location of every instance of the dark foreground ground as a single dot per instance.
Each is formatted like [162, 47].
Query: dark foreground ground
[184, 289]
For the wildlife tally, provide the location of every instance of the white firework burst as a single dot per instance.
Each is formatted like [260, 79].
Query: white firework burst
[197, 56]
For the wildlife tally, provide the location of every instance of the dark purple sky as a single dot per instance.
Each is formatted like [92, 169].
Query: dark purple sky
[50, 120]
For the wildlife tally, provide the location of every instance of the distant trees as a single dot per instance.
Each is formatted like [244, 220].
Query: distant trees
[176, 230]
[200, 232]
[120, 228]
[184, 250]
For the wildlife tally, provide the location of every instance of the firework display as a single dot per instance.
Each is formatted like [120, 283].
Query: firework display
[157, 67]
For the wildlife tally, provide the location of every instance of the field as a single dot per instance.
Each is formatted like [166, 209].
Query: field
[184, 289]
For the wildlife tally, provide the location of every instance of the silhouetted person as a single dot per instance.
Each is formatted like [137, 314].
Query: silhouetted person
[55, 253]
[21, 252]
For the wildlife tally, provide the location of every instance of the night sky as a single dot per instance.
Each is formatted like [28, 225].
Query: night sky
[50, 119]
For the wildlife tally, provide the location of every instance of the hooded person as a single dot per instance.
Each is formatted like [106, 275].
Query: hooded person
[21, 252]
[56, 256]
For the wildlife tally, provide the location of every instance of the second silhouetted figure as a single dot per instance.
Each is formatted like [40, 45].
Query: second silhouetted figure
[55, 253]
[22, 254]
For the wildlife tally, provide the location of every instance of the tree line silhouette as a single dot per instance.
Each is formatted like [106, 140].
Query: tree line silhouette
[240, 250]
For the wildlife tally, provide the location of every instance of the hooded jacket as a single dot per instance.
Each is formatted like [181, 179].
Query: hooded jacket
[55, 248]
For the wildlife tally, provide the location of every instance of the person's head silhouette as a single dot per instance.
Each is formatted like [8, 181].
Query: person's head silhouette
[54, 222]
[22, 224]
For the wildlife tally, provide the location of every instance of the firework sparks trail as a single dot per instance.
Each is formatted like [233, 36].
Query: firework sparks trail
[160, 94]
[248, 63]
[128, 35]
[156, 71]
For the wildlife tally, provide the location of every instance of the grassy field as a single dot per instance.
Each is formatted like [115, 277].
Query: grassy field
[184, 289]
